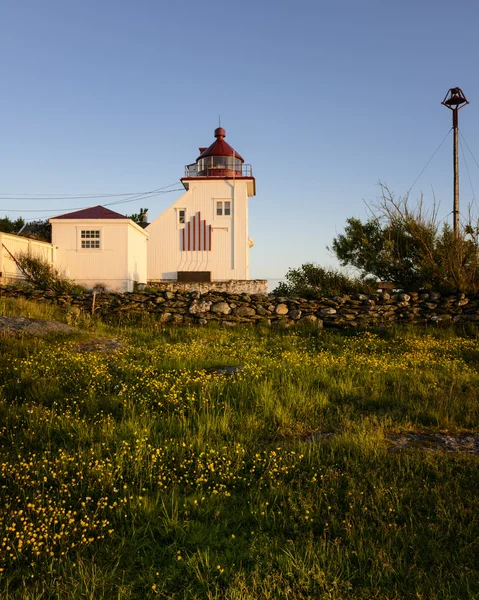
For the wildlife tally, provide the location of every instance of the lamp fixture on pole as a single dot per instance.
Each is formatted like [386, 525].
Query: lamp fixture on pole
[455, 100]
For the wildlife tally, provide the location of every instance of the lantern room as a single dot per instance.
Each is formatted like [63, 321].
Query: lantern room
[219, 160]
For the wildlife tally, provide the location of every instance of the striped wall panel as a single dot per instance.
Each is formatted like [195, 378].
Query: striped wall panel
[196, 235]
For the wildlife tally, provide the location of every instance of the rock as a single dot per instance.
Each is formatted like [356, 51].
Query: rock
[332, 303]
[199, 308]
[221, 308]
[328, 311]
[165, 317]
[33, 327]
[447, 442]
[310, 321]
[170, 295]
[281, 309]
[294, 314]
[178, 304]
[101, 346]
[466, 318]
[244, 311]
[261, 310]
[228, 370]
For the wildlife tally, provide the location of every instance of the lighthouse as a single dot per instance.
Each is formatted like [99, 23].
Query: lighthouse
[203, 236]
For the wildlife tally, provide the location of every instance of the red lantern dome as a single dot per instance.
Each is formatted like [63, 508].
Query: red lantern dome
[220, 159]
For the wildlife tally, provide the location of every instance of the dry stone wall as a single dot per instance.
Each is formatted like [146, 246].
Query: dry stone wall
[345, 312]
[232, 286]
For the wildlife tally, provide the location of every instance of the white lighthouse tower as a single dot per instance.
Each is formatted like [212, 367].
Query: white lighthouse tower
[203, 236]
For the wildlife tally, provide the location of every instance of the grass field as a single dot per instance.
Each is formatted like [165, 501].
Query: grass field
[153, 473]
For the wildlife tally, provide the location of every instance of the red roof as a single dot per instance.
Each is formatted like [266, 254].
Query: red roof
[219, 147]
[94, 212]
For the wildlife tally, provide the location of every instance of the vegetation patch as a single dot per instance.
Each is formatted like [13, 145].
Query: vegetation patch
[238, 463]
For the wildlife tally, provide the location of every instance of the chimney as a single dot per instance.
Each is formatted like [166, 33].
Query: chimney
[144, 220]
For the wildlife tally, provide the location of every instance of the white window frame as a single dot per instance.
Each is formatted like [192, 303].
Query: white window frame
[84, 235]
[178, 216]
[223, 208]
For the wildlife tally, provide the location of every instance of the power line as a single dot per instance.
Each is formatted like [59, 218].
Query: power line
[428, 162]
[467, 170]
[153, 195]
[5, 196]
[473, 157]
[139, 196]
[28, 196]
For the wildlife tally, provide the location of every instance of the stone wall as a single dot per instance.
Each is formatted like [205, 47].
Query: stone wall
[346, 312]
[233, 286]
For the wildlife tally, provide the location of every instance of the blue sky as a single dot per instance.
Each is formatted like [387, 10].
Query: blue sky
[323, 99]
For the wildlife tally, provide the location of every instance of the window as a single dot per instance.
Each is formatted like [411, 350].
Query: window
[182, 216]
[90, 238]
[223, 208]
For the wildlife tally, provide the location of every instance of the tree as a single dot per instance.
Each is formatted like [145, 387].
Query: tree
[9, 226]
[313, 281]
[405, 246]
[37, 230]
[138, 217]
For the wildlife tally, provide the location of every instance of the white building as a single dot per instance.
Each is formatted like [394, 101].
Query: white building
[203, 236]
[99, 246]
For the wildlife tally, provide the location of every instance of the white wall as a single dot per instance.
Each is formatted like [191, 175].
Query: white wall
[116, 263]
[137, 254]
[229, 255]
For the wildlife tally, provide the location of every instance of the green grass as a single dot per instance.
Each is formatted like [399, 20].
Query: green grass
[146, 474]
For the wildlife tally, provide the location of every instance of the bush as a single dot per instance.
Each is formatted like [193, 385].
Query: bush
[312, 281]
[42, 275]
[405, 245]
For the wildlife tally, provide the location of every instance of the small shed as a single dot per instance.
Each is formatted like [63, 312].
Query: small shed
[100, 246]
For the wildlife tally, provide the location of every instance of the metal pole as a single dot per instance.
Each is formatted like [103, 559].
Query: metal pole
[455, 100]
[455, 210]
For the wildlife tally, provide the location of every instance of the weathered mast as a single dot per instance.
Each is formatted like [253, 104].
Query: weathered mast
[455, 100]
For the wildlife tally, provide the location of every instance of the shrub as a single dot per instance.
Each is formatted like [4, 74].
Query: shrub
[405, 245]
[42, 275]
[314, 281]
